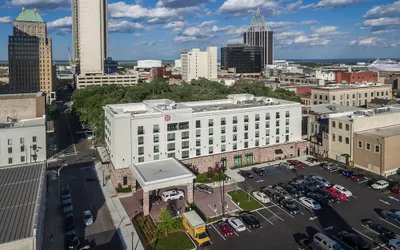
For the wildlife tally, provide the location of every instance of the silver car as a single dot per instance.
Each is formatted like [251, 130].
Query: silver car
[280, 190]
[67, 206]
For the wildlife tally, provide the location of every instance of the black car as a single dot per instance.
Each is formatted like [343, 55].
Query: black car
[290, 205]
[321, 199]
[328, 195]
[72, 240]
[298, 186]
[353, 240]
[69, 222]
[250, 220]
[309, 188]
[153, 200]
[258, 171]
[294, 192]
[277, 197]
[381, 230]
[390, 216]
[268, 191]
[308, 244]
[204, 188]
[246, 174]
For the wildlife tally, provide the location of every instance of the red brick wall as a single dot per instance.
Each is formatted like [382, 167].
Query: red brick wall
[303, 91]
[352, 77]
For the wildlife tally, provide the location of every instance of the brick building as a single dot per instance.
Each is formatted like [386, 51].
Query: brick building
[352, 77]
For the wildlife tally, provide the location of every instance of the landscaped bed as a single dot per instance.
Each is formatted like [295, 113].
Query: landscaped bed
[203, 178]
[244, 200]
[174, 241]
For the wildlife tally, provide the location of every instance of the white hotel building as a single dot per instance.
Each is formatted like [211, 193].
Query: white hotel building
[240, 130]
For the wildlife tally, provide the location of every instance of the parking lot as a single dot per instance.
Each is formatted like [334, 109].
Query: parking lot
[281, 230]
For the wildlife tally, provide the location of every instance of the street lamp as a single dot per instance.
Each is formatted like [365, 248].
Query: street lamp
[132, 233]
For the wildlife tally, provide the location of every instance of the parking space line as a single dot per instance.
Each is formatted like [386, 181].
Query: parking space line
[363, 181]
[213, 209]
[380, 245]
[284, 210]
[265, 218]
[225, 207]
[275, 214]
[248, 229]
[391, 197]
[385, 202]
[390, 223]
[271, 206]
[342, 242]
[218, 231]
[372, 230]
[302, 213]
[355, 197]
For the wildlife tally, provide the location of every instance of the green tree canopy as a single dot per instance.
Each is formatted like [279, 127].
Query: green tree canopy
[165, 221]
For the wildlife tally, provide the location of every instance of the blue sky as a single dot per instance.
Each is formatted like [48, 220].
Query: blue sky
[160, 29]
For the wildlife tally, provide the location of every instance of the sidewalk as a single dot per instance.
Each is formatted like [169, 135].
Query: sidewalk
[119, 216]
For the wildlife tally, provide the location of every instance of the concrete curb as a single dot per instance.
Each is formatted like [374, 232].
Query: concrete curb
[120, 218]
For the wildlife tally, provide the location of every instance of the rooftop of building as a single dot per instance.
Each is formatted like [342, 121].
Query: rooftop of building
[349, 86]
[392, 109]
[19, 190]
[384, 132]
[14, 123]
[381, 101]
[29, 15]
[20, 95]
[332, 108]
[235, 101]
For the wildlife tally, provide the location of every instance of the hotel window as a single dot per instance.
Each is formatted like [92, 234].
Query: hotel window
[22, 158]
[333, 98]
[210, 150]
[347, 139]
[267, 141]
[246, 144]
[22, 148]
[10, 150]
[368, 146]
[257, 117]
[257, 143]
[267, 124]
[287, 122]
[360, 144]
[267, 132]
[277, 123]
[9, 141]
[10, 160]
[210, 122]
[198, 124]
[333, 137]
[372, 94]
[185, 135]
[257, 125]
[277, 131]
[223, 121]
[377, 149]
[198, 143]
[246, 127]
[246, 136]
[234, 147]
[198, 133]
[333, 124]
[210, 131]
[141, 150]
[347, 126]
[156, 157]
[22, 140]
[198, 151]
[171, 146]
[234, 137]
[222, 130]
[287, 130]
[267, 117]
[340, 138]
[223, 148]
[287, 114]
[171, 155]
[234, 120]
[171, 137]
[257, 134]
[156, 128]
[340, 125]
[185, 154]
[277, 139]
[185, 144]
[277, 115]
[210, 141]
[140, 130]
[156, 148]
[246, 118]
[234, 128]
[140, 140]
[223, 139]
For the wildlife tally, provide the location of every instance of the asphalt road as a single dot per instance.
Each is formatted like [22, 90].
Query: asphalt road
[282, 231]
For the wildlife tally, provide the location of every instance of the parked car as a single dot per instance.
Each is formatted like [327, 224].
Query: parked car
[268, 191]
[310, 188]
[236, 224]
[310, 203]
[379, 229]
[204, 188]
[308, 180]
[67, 206]
[277, 197]
[358, 177]
[379, 185]
[258, 171]
[311, 159]
[290, 205]
[250, 220]
[343, 190]
[261, 197]
[87, 217]
[396, 189]
[321, 199]
[153, 200]
[308, 244]
[280, 190]
[292, 190]
[331, 167]
[326, 243]
[353, 240]
[225, 229]
[328, 195]
[65, 192]
[69, 222]
[333, 191]
[298, 186]
[173, 194]
[322, 181]
[391, 217]
[72, 240]
[394, 244]
[295, 163]
[286, 165]
[347, 173]
[246, 174]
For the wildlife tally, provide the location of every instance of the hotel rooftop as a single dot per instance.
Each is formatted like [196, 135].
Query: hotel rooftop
[348, 86]
[236, 101]
[371, 112]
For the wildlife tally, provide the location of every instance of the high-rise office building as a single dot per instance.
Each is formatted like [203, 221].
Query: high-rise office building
[258, 35]
[75, 31]
[30, 56]
[92, 35]
[243, 57]
[196, 64]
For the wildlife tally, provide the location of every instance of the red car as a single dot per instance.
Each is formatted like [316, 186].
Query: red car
[396, 189]
[335, 193]
[358, 177]
[295, 163]
[225, 229]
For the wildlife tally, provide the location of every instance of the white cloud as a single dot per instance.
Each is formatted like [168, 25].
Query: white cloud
[193, 31]
[123, 26]
[326, 31]
[175, 24]
[180, 3]
[285, 25]
[307, 6]
[235, 41]
[236, 31]
[380, 32]
[311, 41]
[388, 10]
[149, 43]
[286, 34]
[382, 22]
[60, 23]
[337, 3]
[293, 6]
[184, 39]
[5, 19]
[206, 23]
[366, 42]
[230, 6]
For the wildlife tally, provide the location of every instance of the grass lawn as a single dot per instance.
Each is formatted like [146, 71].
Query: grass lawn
[203, 178]
[174, 241]
[241, 197]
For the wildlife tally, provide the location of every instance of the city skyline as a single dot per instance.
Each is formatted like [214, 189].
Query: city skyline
[160, 29]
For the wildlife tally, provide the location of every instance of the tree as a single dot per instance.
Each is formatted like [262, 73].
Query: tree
[165, 222]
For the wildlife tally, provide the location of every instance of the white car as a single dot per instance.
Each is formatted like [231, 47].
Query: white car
[394, 244]
[343, 190]
[310, 203]
[321, 180]
[286, 165]
[87, 217]
[173, 194]
[261, 197]
[236, 224]
[379, 185]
